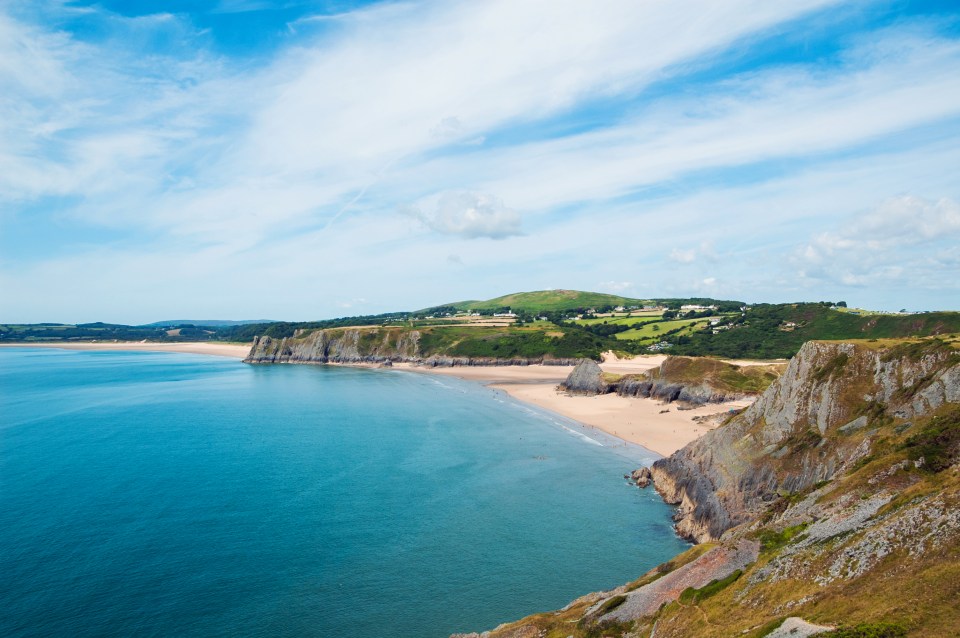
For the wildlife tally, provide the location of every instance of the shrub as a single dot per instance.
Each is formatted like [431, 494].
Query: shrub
[612, 604]
[869, 630]
[938, 443]
[691, 595]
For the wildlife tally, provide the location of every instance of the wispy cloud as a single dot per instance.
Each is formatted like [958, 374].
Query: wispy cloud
[470, 215]
[608, 124]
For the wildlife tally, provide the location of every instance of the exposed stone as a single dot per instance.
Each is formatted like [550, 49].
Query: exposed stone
[586, 378]
[798, 628]
[716, 564]
[642, 477]
[369, 345]
[779, 444]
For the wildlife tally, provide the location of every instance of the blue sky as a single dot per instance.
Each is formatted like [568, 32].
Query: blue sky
[305, 159]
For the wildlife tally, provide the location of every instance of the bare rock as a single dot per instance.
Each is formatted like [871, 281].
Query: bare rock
[586, 378]
[642, 477]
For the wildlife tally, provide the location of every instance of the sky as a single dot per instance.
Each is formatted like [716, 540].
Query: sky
[307, 159]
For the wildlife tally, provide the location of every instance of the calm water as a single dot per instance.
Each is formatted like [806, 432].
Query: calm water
[158, 494]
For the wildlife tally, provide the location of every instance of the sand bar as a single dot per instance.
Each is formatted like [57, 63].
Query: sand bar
[234, 350]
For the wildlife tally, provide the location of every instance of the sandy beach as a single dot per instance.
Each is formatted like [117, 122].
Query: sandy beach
[234, 350]
[661, 428]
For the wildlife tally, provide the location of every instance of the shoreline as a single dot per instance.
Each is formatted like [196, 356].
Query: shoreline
[661, 428]
[232, 350]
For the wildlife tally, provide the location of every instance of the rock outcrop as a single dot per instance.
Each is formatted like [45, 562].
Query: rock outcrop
[586, 378]
[799, 432]
[691, 380]
[716, 564]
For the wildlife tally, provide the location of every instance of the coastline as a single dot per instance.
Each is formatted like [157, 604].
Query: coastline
[232, 350]
[658, 427]
[661, 428]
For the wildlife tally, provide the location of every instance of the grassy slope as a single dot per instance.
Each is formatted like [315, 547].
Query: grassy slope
[547, 300]
[720, 375]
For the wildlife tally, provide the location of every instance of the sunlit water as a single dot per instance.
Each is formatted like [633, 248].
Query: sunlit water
[157, 494]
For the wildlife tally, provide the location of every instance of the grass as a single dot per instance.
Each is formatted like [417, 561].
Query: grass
[547, 300]
[634, 317]
[771, 540]
[656, 330]
[831, 368]
[869, 630]
[691, 595]
[611, 604]
[938, 444]
[723, 376]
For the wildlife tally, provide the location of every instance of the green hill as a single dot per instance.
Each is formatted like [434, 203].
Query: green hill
[570, 300]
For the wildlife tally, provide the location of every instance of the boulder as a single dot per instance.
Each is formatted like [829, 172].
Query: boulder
[586, 378]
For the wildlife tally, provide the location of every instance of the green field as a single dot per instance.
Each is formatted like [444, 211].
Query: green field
[621, 320]
[654, 331]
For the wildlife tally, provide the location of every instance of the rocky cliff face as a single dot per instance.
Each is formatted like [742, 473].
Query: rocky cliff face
[368, 345]
[815, 421]
[337, 346]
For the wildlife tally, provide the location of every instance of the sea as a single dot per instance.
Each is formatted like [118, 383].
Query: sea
[162, 494]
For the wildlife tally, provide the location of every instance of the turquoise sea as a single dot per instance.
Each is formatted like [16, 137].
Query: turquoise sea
[154, 494]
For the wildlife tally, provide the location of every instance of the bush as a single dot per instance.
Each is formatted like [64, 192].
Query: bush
[938, 444]
[612, 604]
[870, 630]
[691, 595]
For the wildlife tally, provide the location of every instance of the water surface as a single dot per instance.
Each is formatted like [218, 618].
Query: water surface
[173, 494]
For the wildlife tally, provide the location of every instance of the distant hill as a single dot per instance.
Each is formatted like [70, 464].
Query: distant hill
[564, 300]
[203, 322]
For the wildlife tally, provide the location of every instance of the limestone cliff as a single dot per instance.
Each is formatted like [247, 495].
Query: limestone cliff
[802, 430]
[370, 345]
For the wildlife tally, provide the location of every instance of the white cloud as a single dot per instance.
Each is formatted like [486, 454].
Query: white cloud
[681, 256]
[470, 215]
[891, 243]
[420, 103]
[617, 287]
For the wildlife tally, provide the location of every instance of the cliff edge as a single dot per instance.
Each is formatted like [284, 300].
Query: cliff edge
[816, 421]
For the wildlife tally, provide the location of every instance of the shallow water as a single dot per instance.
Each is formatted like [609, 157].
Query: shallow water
[172, 494]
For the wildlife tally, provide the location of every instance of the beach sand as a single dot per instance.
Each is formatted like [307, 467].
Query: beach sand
[661, 428]
[234, 350]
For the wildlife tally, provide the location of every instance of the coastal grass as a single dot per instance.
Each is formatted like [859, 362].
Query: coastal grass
[553, 300]
[719, 374]
[692, 595]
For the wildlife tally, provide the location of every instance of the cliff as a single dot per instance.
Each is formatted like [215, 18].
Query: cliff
[830, 505]
[371, 345]
[806, 428]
